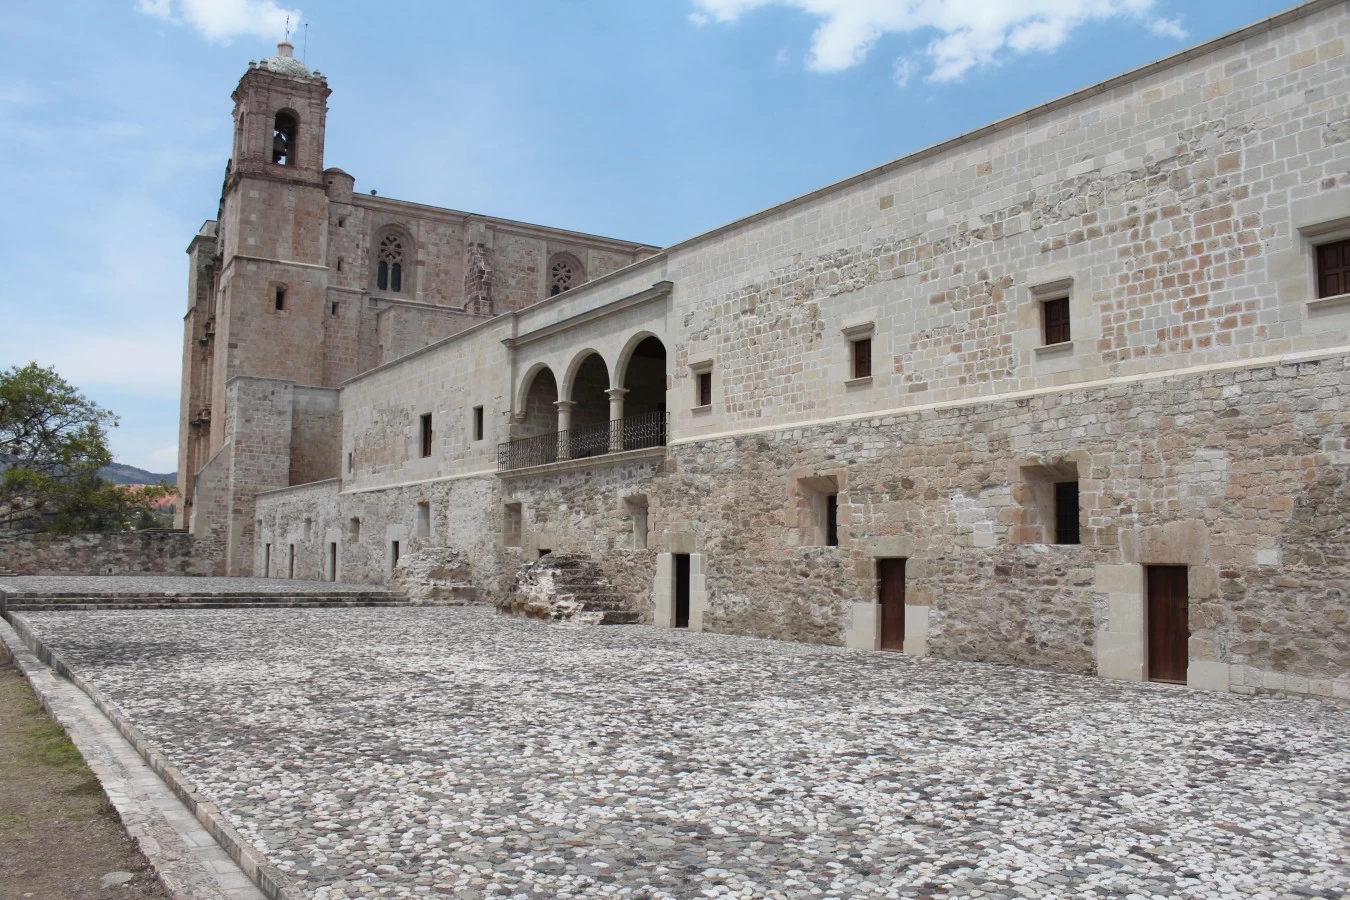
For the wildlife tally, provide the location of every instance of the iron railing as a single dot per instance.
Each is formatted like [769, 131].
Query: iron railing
[584, 441]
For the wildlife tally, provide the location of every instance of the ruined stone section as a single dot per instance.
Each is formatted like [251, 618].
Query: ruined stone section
[559, 587]
[436, 576]
[114, 553]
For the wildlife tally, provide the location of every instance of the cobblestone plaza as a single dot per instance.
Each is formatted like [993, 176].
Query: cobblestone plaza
[404, 752]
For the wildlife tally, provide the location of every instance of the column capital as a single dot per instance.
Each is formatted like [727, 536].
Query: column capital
[564, 405]
[617, 393]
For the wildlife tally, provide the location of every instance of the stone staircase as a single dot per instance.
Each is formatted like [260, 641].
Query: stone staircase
[561, 587]
[45, 601]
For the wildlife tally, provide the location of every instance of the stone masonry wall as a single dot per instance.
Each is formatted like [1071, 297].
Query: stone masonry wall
[119, 553]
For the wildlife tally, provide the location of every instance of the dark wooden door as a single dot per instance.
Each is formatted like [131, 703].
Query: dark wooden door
[891, 594]
[1168, 628]
[681, 590]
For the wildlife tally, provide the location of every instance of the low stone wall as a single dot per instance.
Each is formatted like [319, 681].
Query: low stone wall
[115, 553]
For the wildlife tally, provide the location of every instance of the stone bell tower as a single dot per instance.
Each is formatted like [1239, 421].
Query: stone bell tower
[259, 329]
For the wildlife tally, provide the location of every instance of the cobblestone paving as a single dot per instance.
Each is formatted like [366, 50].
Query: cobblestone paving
[404, 752]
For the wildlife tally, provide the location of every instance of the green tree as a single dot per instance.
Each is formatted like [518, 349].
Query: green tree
[53, 442]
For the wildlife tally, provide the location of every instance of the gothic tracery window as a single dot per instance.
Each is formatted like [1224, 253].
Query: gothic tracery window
[564, 273]
[389, 264]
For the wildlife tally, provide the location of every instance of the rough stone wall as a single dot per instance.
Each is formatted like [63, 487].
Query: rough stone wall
[259, 414]
[119, 553]
[1255, 458]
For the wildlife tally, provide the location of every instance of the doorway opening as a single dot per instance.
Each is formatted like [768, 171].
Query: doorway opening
[290, 561]
[1168, 626]
[681, 590]
[267, 560]
[891, 597]
[332, 561]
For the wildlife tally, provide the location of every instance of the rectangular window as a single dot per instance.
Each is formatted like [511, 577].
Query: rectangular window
[705, 389]
[1055, 314]
[1066, 512]
[424, 519]
[1333, 269]
[281, 298]
[511, 524]
[354, 530]
[393, 553]
[351, 461]
[862, 358]
[478, 423]
[332, 309]
[831, 520]
[426, 435]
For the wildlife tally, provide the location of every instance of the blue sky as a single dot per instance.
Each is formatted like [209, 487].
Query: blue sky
[651, 120]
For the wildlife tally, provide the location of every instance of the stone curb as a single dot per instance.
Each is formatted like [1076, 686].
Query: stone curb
[269, 880]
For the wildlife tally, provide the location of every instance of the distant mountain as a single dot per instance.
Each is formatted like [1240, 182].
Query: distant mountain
[120, 473]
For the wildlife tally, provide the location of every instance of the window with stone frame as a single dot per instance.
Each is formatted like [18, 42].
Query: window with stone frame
[1333, 269]
[389, 263]
[564, 273]
[1055, 320]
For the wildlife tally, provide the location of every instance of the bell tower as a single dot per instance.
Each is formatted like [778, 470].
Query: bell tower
[279, 112]
[269, 313]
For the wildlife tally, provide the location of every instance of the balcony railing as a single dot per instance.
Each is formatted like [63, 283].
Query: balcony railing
[583, 441]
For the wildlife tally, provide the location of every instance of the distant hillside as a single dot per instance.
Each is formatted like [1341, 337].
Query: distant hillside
[119, 473]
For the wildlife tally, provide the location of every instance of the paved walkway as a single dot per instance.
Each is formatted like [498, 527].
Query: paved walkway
[405, 752]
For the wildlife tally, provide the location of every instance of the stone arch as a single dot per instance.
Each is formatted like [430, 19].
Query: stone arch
[285, 136]
[538, 402]
[642, 375]
[393, 255]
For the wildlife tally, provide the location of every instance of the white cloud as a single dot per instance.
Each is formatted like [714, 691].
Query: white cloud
[164, 459]
[968, 33]
[903, 71]
[220, 21]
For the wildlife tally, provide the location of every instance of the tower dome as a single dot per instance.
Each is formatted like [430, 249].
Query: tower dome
[285, 63]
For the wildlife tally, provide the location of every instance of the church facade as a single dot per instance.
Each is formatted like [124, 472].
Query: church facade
[1066, 391]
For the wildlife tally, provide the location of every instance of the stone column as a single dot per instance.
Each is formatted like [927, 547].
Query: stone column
[564, 426]
[616, 396]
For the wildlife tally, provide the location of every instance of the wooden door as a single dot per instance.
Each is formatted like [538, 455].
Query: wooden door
[681, 590]
[1168, 627]
[891, 595]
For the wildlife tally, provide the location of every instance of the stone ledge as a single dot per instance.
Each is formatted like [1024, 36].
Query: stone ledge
[589, 462]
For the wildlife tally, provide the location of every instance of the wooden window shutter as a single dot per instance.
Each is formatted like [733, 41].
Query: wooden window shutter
[862, 358]
[1056, 313]
[1333, 269]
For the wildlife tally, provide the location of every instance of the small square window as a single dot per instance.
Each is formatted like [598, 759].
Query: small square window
[478, 423]
[1055, 320]
[426, 435]
[704, 389]
[1333, 269]
[281, 298]
[862, 358]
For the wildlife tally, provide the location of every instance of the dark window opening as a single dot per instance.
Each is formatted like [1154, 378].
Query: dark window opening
[395, 553]
[1066, 512]
[544, 551]
[332, 309]
[1056, 317]
[281, 298]
[426, 435]
[831, 520]
[705, 389]
[283, 139]
[862, 358]
[396, 278]
[351, 460]
[342, 221]
[339, 264]
[1333, 269]
[681, 590]
[478, 423]
[382, 276]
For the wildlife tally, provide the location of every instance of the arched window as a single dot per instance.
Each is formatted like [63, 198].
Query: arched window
[389, 264]
[564, 273]
[283, 139]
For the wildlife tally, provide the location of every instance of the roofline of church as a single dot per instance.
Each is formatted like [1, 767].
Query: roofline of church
[532, 229]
